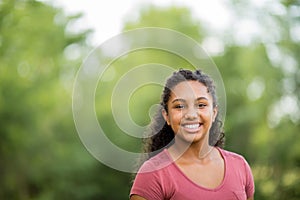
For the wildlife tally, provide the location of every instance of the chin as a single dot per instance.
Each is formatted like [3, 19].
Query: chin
[192, 137]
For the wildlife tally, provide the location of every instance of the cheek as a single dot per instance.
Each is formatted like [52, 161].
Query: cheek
[175, 117]
[208, 114]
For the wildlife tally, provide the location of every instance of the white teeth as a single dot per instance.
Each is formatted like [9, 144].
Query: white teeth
[191, 126]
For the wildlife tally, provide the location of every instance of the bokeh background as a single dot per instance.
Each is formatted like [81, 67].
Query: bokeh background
[41, 155]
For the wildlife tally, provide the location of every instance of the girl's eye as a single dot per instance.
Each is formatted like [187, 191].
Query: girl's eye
[179, 106]
[202, 105]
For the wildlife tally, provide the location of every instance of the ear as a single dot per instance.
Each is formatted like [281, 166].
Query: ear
[215, 112]
[165, 115]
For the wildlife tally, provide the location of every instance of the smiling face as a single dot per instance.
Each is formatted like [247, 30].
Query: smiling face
[190, 111]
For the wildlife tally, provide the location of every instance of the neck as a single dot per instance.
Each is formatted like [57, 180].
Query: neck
[199, 151]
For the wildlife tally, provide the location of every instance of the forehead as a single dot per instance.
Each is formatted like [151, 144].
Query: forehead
[190, 89]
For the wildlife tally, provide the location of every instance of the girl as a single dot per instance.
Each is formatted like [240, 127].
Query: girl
[185, 156]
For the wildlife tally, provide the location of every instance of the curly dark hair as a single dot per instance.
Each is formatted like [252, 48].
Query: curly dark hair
[160, 134]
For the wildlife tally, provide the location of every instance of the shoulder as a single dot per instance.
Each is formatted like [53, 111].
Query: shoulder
[156, 163]
[232, 155]
[152, 180]
[240, 169]
[235, 160]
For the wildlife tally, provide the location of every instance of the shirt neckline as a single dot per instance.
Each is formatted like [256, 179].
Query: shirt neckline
[192, 182]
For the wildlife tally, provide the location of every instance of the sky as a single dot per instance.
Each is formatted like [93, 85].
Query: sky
[107, 17]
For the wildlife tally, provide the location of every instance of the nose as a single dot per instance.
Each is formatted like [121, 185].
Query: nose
[191, 114]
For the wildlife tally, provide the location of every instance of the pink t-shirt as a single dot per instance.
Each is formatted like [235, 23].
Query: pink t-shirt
[160, 178]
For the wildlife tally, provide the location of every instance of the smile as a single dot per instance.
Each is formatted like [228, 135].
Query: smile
[192, 127]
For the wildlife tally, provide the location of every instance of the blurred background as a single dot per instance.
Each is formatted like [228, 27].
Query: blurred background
[255, 44]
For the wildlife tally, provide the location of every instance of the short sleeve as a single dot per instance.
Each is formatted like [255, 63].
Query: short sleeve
[148, 186]
[152, 181]
[249, 187]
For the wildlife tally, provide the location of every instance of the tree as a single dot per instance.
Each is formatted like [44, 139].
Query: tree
[261, 80]
[40, 153]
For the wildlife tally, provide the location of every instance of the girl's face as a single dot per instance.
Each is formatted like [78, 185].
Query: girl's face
[190, 111]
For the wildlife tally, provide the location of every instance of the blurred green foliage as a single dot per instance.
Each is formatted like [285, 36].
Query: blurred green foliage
[41, 156]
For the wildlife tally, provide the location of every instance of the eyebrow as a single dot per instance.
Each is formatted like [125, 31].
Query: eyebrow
[183, 100]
